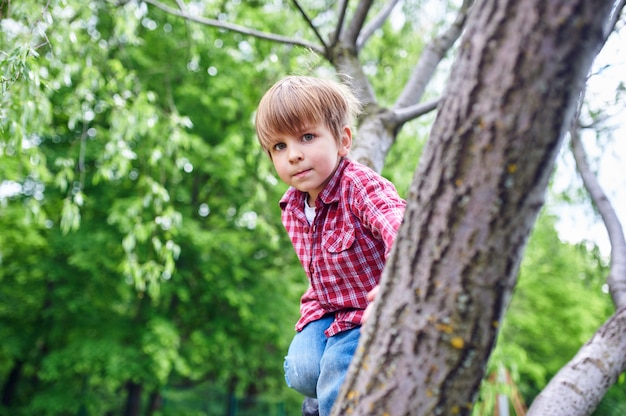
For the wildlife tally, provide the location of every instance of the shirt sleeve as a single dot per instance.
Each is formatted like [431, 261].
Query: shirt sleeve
[379, 208]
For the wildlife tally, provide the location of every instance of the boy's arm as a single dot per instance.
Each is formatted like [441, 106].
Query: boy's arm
[379, 208]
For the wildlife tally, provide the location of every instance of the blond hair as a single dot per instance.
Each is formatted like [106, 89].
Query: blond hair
[299, 102]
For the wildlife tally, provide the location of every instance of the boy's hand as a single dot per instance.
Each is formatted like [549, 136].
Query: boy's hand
[370, 297]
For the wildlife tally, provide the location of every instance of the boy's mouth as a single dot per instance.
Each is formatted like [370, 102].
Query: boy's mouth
[301, 173]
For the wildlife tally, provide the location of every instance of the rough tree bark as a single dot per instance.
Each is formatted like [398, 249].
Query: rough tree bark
[478, 189]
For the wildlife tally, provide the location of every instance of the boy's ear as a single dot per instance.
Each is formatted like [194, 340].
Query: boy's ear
[346, 141]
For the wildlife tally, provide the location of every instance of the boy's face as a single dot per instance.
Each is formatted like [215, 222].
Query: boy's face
[307, 160]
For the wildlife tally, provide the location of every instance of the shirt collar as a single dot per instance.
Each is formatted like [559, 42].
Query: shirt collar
[330, 193]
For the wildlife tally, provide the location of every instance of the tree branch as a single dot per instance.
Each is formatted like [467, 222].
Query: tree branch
[342, 17]
[376, 23]
[430, 58]
[236, 28]
[310, 23]
[402, 115]
[617, 273]
[579, 386]
[353, 30]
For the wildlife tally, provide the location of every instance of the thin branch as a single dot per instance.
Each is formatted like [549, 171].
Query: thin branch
[597, 123]
[343, 7]
[617, 273]
[236, 28]
[353, 30]
[430, 58]
[310, 23]
[402, 115]
[376, 23]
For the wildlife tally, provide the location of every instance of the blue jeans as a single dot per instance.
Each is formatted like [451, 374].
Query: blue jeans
[316, 365]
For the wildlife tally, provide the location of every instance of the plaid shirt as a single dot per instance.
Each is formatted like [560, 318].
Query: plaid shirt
[344, 250]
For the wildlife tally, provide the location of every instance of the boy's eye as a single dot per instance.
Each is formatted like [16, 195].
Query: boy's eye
[307, 137]
[279, 146]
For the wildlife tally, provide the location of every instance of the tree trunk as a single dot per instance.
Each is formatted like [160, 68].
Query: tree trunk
[133, 400]
[472, 205]
[10, 385]
[155, 402]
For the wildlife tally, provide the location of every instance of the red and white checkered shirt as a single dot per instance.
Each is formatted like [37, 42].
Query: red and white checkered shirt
[344, 250]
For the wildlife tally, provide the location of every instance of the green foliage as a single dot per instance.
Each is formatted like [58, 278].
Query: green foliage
[154, 255]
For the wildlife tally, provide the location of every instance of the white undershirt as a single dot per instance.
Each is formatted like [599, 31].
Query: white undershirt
[309, 211]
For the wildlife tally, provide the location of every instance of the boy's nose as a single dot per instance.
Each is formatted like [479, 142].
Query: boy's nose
[295, 153]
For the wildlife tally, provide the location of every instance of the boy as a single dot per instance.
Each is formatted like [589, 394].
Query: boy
[342, 219]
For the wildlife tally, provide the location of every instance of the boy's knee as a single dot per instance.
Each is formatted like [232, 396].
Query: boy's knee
[301, 376]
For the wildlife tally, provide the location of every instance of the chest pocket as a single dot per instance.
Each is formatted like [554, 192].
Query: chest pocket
[336, 241]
